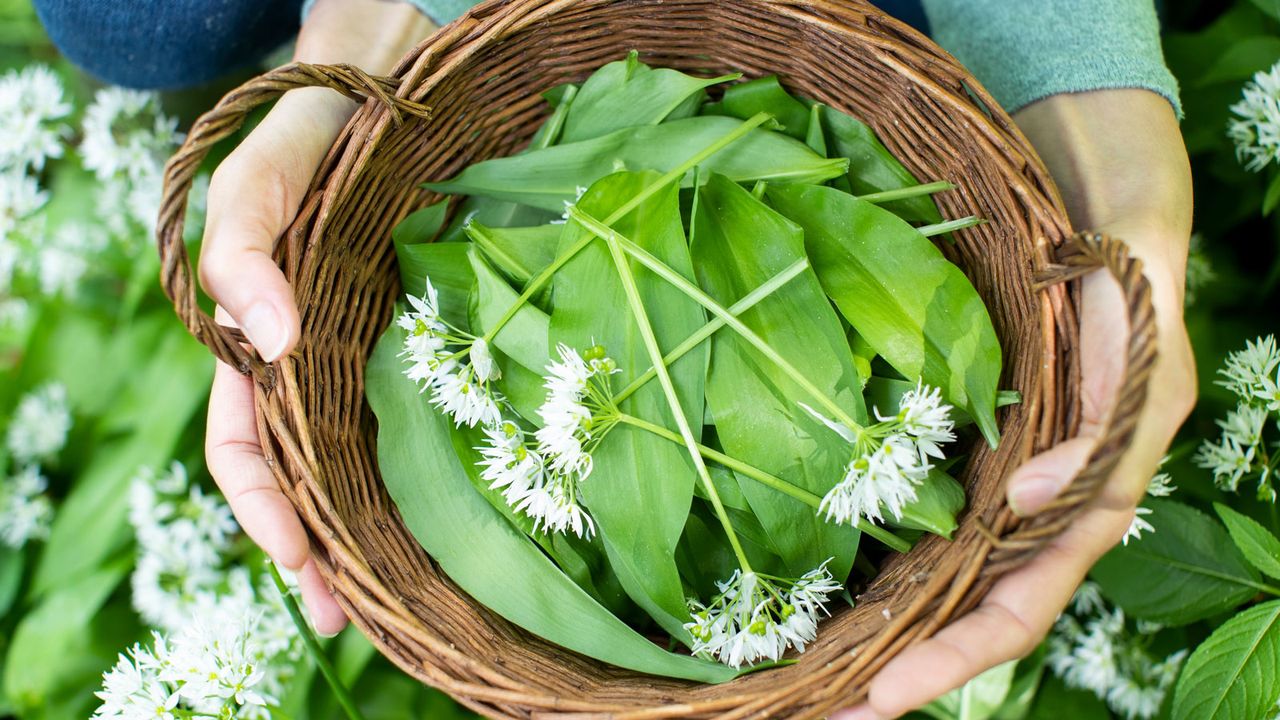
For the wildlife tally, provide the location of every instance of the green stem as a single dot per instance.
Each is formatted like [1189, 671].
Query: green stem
[950, 226]
[697, 295]
[678, 171]
[313, 646]
[673, 401]
[674, 174]
[746, 303]
[770, 481]
[907, 193]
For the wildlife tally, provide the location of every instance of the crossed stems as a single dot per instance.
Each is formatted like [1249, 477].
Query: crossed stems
[620, 247]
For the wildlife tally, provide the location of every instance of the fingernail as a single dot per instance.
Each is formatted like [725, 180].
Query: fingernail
[263, 327]
[326, 636]
[1033, 493]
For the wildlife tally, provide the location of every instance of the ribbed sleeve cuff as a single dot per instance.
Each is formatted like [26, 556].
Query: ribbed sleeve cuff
[1026, 50]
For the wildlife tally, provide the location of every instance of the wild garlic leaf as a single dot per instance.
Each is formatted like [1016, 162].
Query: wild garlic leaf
[917, 309]
[550, 178]
[939, 499]
[872, 168]
[641, 487]
[628, 93]
[1235, 673]
[766, 94]
[522, 351]
[738, 244]
[519, 252]
[448, 265]
[1186, 570]
[1260, 547]
[420, 226]
[478, 549]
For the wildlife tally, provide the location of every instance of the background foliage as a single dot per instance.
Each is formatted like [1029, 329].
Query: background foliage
[136, 384]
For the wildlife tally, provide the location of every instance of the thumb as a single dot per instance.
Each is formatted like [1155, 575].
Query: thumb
[253, 196]
[1042, 478]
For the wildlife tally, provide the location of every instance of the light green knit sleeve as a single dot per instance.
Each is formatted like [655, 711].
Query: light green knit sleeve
[1026, 50]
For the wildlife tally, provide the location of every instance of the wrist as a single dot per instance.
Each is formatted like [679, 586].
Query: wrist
[370, 34]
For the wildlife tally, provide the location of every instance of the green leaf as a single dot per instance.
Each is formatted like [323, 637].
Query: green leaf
[552, 177]
[766, 94]
[815, 138]
[163, 396]
[641, 487]
[420, 226]
[479, 549]
[524, 352]
[12, 563]
[896, 289]
[49, 645]
[1272, 196]
[872, 168]
[978, 699]
[738, 244]
[885, 394]
[939, 499]
[1186, 570]
[449, 267]
[519, 252]
[1056, 701]
[1235, 673]
[561, 98]
[628, 93]
[1259, 546]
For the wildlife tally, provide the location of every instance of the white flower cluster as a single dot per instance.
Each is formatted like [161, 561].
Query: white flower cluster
[542, 482]
[37, 433]
[33, 110]
[433, 350]
[214, 667]
[1253, 376]
[127, 140]
[1255, 129]
[757, 617]
[1161, 485]
[890, 458]
[1092, 649]
[185, 587]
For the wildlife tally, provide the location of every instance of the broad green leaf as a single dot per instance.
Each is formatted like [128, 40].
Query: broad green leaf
[420, 226]
[552, 177]
[872, 168]
[1186, 570]
[519, 252]
[641, 487]
[163, 395]
[896, 289]
[522, 342]
[479, 549]
[1235, 673]
[1259, 546]
[815, 138]
[1055, 701]
[738, 244]
[939, 499]
[12, 563]
[49, 644]
[448, 265]
[628, 93]
[766, 94]
[705, 556]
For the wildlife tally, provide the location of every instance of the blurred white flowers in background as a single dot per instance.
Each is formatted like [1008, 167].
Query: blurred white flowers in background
[1255, 129]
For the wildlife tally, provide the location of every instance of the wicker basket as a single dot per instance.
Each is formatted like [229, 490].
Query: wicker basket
[471, 92]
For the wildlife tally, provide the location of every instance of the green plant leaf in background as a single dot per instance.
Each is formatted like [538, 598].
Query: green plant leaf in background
[549, 178]
[1259, 546]
[628, 93]
[978, 699]
[1187, 570]
[738, 244]
[896, 289]
[641, 487]
[1235, 674]
[429, 486]
[766, 94]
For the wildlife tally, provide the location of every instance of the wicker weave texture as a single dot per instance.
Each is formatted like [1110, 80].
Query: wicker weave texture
[472, 92]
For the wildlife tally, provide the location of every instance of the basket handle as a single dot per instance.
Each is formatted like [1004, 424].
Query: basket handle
[1084, 253]
[176, 274]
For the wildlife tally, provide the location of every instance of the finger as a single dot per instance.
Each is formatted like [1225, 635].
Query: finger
[1042, 478]
[235, 460]
[1010, 622]
[327, 616]
[247, 212]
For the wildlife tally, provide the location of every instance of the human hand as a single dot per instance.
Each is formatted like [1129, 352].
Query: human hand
[253, 196]
[1118, 158]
